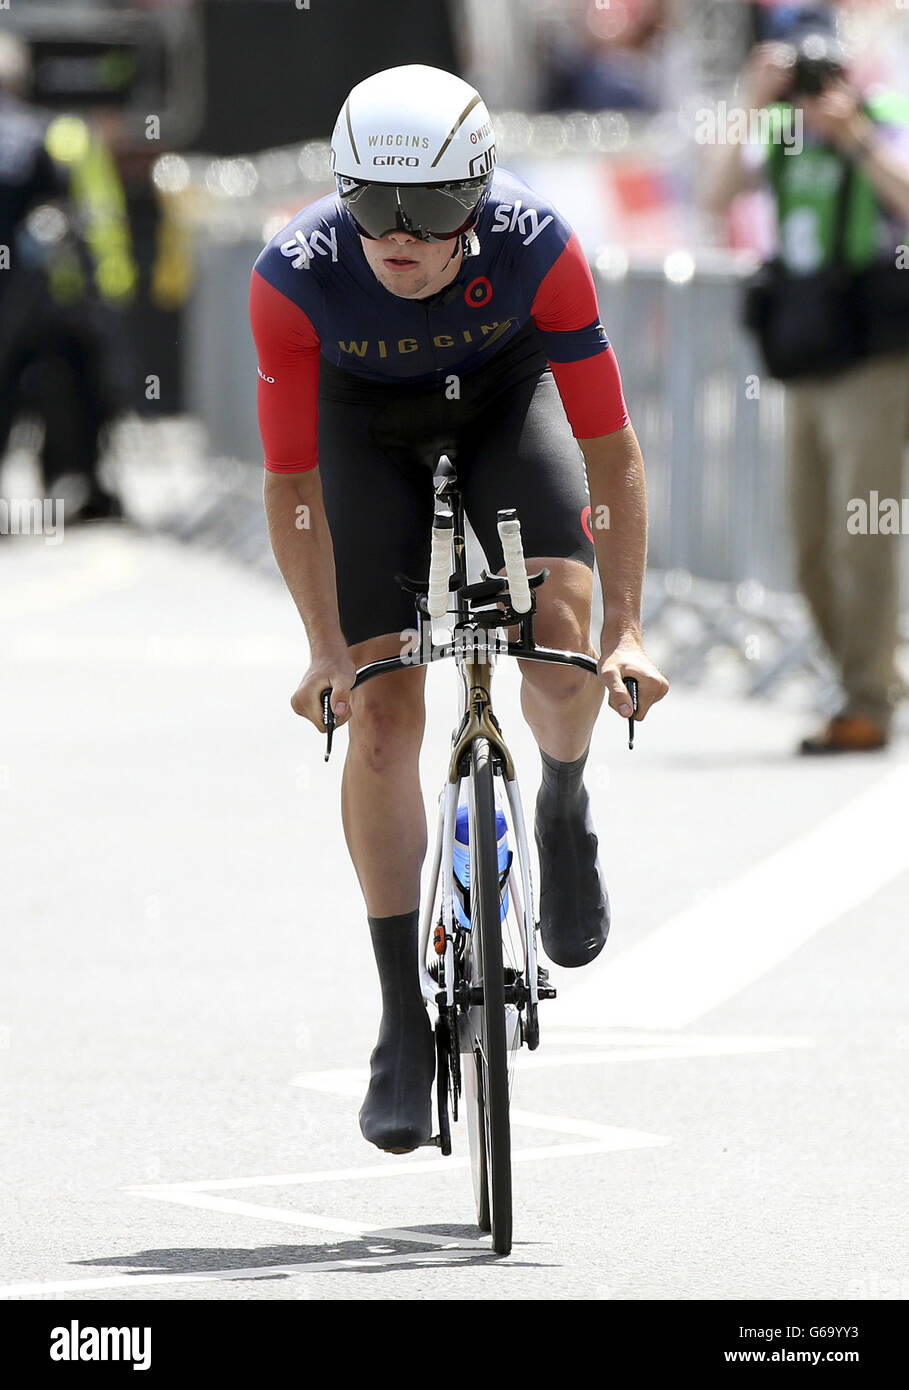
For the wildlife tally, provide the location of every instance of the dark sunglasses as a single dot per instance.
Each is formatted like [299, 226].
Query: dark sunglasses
[430, 212]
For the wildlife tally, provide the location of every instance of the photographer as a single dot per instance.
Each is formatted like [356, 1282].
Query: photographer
[831, 314]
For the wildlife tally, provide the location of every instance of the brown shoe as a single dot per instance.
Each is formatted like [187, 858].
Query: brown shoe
[847, 733]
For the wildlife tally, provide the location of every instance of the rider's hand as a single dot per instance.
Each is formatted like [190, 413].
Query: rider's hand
[333, 669]
[628, 658]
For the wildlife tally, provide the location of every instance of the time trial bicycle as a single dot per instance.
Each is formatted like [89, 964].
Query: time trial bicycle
[479, 971]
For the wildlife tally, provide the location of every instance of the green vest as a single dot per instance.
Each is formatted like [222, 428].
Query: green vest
[805, 187]
[97, 194]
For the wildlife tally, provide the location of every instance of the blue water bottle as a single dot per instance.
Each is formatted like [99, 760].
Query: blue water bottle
[462, 864]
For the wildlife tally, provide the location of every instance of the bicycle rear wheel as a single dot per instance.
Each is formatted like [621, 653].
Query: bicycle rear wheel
[483, 1022]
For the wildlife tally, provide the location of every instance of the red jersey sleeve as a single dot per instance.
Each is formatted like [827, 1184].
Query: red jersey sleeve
[584, 365]
[287, 397]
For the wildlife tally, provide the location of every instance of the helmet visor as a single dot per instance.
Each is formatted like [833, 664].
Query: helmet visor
[430, 212]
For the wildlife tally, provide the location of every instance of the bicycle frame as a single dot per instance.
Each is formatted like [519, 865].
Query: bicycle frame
[477, 721]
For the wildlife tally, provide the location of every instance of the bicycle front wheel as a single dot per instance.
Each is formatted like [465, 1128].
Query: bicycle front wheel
[484, 1022]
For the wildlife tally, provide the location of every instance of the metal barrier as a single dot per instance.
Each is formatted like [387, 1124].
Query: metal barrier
[710, 426]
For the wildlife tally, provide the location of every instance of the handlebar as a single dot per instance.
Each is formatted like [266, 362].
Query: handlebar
[632, 684]
[330, 722]
[328, 719]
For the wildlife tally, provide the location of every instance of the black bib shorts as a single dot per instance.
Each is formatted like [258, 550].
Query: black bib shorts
[505, 429]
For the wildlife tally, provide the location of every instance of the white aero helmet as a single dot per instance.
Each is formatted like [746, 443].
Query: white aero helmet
[413, 150]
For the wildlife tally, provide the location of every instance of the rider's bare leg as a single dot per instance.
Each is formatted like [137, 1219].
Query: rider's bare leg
[561, 705]
[385, 827]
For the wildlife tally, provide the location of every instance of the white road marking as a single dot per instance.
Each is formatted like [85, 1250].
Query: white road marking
[561, 1035]
[593, 1139]
[600, 1046]
[605, 1139]
[608, 1139]
[185, 1193]
[624, 1139]
[132, 1281]
[666, 1052]
[620, 1046]
[287, 1216]
[610, 1135]
[399, 1166]
[618, 1139]
[347, 1082]
[596, 1138]
[716, 948]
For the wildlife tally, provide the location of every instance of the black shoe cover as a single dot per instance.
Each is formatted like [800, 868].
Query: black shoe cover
[397, 1112]
[574, 903]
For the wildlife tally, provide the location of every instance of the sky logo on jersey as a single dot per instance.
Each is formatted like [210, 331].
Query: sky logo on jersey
[301, 252]
[509, 216]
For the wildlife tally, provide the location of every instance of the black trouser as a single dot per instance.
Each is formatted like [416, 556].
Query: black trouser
[57, 365]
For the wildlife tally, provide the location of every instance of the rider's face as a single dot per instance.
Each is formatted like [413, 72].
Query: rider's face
[408, 267]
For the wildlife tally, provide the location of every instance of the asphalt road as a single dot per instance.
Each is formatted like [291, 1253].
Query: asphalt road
[718, 1108]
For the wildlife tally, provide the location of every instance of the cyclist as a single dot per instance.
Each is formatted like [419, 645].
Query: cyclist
[436, 299]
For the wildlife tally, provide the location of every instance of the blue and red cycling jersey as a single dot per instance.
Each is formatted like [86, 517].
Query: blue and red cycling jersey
[312, 293]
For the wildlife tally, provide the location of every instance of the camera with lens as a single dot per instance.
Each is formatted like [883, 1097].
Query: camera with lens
[816, 61]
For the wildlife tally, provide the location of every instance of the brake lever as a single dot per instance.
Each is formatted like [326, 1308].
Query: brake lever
[328, 719]
[632, 684]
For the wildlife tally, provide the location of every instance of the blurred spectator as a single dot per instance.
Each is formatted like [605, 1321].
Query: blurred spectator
[62, 354]
[608, 59]
[832, 316]
[161, 254]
